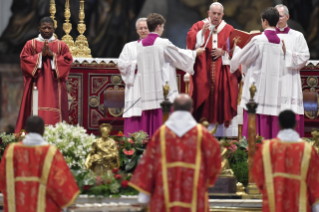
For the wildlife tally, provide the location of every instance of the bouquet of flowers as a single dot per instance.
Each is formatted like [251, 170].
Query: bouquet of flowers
[6, 139]
[72, 141]
[131, 149]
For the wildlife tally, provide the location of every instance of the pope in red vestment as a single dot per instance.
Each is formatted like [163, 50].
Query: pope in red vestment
[45, 63]
[287, 174]
[213, 88]
[46, 185]
[181, 161]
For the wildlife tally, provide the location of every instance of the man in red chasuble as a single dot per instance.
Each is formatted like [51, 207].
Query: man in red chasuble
[34, 175]
[45, 63]
[286, 170]
[181, 161]
[214, 89]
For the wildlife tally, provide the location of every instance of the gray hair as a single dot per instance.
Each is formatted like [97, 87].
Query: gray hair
[216, 3]
[140, 19]
[285, 8]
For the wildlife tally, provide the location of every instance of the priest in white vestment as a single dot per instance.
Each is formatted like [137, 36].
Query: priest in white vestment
[157, 60]
[128, 67]
[262, 61]
[297, 55]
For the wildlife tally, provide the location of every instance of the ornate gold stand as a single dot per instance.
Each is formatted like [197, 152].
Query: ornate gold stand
[52, 12]
[81, 43]
[252, 190]
[67, 27]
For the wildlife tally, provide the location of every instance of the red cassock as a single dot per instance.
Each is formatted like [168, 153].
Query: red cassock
[177, 171]
[53, 100]
[36, 178]
[287, 174]
[213, 88]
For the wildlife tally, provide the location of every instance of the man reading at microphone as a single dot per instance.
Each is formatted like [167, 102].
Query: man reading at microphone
[46, 63]
[214, 89]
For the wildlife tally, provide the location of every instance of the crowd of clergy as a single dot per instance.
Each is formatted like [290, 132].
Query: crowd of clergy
[182, 158]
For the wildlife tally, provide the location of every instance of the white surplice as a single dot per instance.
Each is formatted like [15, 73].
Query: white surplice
[157, 65]
[297, 55]
[127, 65]
[263, 64]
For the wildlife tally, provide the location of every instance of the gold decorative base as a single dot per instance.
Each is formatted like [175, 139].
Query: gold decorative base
[252, 192]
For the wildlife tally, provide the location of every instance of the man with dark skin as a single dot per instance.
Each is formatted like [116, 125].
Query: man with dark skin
[45, 63]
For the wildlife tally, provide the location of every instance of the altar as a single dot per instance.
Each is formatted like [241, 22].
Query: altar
[90, 77]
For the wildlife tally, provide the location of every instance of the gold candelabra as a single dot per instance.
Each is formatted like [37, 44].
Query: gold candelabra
[67, 27]
[82, 46]
[52, 12]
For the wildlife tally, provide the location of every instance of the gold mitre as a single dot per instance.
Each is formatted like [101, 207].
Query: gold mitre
[105, 125]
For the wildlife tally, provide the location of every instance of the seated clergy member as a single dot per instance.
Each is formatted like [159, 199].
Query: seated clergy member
[181, 161]
[262, 61]
[34, 175]
[286, 170]
[157, 60]
[127, 65]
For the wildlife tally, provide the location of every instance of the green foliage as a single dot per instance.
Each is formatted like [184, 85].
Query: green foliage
[239, 164]
[6, 139]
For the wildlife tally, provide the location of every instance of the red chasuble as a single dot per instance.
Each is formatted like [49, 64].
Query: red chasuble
[287, 174]
[177, 171]
[53, 100]
[213, 88]
[36, 178]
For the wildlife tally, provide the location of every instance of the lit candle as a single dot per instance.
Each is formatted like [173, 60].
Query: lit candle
[35, 96]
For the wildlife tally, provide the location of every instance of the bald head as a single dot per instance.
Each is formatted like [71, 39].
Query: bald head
[183, 102]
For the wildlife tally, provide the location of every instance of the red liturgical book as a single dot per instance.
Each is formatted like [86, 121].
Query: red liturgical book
[244, 37]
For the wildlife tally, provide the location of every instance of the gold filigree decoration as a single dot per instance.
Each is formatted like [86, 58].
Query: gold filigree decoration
[52, 12]
[67, 27]
[81, 43]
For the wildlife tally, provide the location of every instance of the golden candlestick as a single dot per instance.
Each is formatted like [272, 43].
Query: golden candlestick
[52, 12]
[67, 27]
[81, 43]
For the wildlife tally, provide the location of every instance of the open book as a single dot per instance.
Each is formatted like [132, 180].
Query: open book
[244, 37]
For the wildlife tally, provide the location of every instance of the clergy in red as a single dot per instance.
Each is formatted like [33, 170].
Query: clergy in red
[34, 175]
[181, 161]
[286, 171]
[45, 63]
[213, 88]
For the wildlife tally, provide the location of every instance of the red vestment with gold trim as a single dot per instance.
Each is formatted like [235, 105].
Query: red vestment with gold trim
[213, 88]
[177, 171]
[287, 174]
[36, 178]
[53, 100]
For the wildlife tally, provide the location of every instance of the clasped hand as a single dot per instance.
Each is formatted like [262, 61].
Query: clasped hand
[46, 51]
[216, 53]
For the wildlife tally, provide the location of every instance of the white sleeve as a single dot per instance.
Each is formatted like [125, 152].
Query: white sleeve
[181, 58]
[40, 62]
[200, 39]
[244, 56]
[315, 208]
[127, 66]
[52, 64]
[298, 58]
[143, 198]
[225, 59]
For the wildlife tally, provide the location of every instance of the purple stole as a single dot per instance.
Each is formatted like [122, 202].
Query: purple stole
[150, 39]
[286, 30]
[272, 36]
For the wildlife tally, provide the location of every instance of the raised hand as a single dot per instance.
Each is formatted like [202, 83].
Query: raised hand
[199, 51]
[49, 52]
[205, 27]
[234, 46]
[44, 50]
